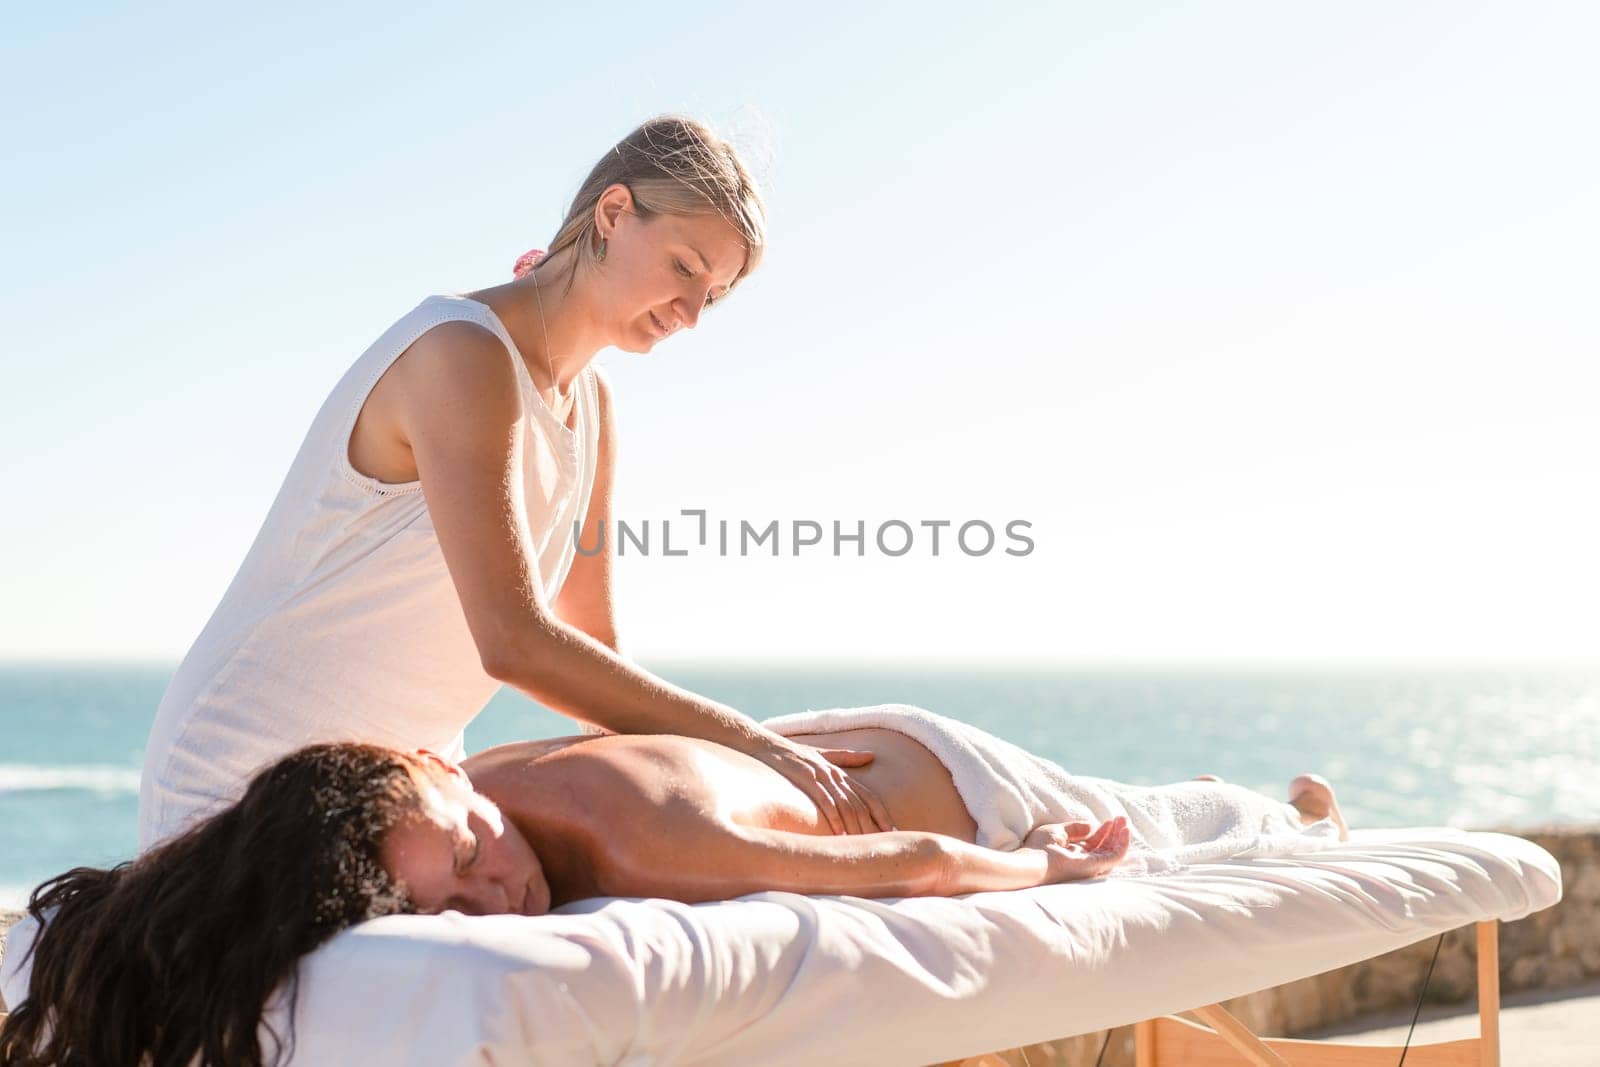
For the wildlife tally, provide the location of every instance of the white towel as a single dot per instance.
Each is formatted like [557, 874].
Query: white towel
[1009, 791]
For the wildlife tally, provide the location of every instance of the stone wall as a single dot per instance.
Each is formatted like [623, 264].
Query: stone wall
[1556, 947]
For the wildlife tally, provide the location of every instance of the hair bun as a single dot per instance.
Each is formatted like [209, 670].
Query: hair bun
[526, 261]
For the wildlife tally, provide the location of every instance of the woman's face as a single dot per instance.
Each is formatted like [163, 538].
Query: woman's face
[660, 274]
[458, 853]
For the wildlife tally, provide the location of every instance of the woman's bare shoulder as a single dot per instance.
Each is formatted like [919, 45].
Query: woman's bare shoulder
[524, 751]
[627, 753]
[457, 361]
[458, 371]
[612, 790]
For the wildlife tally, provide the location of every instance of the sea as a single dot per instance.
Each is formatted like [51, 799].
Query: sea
[1503, 748]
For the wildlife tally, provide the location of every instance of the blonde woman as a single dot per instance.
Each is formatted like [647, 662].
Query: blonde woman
[422, 550]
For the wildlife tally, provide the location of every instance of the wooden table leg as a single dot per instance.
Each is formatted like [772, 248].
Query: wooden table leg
[1489, 993]
[1240, 1036]
[1144, 1043]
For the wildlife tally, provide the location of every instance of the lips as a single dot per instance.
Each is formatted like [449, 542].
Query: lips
[661, 328]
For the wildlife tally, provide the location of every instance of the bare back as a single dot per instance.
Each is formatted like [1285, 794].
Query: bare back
[581, 802]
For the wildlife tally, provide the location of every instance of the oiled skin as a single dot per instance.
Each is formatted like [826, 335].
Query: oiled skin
[677, 817]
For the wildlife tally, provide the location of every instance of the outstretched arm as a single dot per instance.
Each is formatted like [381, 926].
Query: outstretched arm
[717, 861]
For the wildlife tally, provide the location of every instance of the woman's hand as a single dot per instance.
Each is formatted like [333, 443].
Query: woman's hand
[1057, 833]
[848, 805]
[1075, 851]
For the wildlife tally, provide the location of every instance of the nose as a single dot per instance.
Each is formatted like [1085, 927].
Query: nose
[688, 312]
[488, 897]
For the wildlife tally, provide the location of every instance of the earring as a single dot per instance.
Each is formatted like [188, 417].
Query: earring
[600, 253]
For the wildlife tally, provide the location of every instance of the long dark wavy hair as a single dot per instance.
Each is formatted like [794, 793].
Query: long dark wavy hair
[173, 955]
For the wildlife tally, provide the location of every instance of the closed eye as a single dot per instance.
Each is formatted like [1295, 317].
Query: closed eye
[687, 273]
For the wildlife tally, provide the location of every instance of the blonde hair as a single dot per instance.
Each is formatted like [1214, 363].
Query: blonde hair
[673, 165]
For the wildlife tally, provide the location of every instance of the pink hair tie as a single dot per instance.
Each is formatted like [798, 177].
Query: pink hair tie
[526, 261]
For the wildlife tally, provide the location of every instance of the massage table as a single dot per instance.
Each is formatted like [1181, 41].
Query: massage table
[779, 978]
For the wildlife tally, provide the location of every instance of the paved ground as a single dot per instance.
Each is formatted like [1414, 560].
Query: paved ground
[1555, 1029]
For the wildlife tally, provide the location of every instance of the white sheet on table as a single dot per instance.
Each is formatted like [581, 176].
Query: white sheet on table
[777, 978]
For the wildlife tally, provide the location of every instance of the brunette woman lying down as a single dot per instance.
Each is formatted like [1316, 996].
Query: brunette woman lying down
[174, 953]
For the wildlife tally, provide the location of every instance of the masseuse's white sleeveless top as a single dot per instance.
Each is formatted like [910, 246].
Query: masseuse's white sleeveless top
[342, 623]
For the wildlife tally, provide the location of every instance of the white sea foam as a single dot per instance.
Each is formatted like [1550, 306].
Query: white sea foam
[104, 779]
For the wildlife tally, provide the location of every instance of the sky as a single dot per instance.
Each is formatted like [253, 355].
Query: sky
[1275, 324]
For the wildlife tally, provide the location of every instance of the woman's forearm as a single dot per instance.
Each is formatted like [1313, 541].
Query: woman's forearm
[973, 868]
[569, 671]
[731, 861]
[902, 863]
